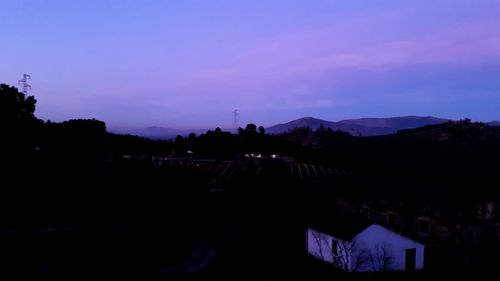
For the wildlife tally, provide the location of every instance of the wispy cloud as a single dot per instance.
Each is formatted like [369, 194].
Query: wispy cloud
[285, 59]
[317, 51]
[319, 58]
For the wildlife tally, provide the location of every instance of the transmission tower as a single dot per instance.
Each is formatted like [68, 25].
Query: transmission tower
[236, 112]
[24, 83]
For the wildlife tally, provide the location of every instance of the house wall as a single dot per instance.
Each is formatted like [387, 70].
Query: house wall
[319, 246]
[373, 239]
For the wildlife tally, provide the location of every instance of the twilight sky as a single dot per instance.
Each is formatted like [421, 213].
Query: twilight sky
[189, 63]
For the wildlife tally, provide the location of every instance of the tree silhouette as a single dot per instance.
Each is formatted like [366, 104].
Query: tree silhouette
[20, 130]
[346, 255]
[262, 130]
[18, 124]
[381, 258]
[350, 256]
[15, 107]
[251, 128]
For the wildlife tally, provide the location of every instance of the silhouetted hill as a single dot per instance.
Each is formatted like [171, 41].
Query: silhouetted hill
[400, 123]
[494, 123]
[153, 132]
[460, 132]
[311, 122]
[436, 158]
[159, 133]
[356, 127]
[363, 126]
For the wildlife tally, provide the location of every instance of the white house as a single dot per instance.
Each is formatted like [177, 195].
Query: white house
[364, 247]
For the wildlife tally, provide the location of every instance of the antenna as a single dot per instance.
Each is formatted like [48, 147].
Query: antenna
[24, 83]
[236, 112]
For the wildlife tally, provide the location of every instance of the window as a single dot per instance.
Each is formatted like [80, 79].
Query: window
[334, 247]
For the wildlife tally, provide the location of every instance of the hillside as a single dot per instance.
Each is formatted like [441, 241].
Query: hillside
[494, 123]
[399, 123]
[435, 157]
[360, 127]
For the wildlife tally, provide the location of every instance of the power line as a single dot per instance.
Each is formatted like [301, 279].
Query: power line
[24, 83]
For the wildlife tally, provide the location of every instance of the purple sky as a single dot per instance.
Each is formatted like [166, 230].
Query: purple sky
[188, 64]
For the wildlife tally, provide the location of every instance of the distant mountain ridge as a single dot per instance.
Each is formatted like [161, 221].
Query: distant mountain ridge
[361, 126]
[494, 123]
[161, 133]
[356, 127]
[153, 132]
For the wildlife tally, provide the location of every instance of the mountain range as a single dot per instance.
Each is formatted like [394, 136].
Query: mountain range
[356, 127]
[362, 126]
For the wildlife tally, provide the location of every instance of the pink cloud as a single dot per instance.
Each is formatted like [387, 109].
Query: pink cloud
[311, 54]
[287, 71]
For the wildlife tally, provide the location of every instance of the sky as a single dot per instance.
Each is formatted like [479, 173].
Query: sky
[189, 63]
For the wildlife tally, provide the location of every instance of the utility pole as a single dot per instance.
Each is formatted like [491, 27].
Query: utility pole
[24, 83]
